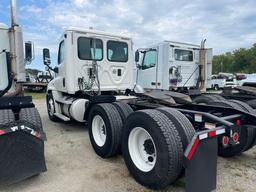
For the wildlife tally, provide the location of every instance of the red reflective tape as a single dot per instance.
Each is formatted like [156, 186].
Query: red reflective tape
[2, 132]
[212, 134]
[193, 149]
[38, 135]
[238, 122]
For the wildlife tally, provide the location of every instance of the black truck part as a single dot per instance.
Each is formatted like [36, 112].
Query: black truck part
[21, 140]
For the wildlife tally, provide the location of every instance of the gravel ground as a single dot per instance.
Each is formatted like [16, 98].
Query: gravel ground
[73, 166]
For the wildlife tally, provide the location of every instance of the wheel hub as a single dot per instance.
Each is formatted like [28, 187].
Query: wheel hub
[51, 106]
[149, 147]
[142, 149]
[99, 131]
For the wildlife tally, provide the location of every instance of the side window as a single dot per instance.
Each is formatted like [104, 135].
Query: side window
[117, 51]
[61, 53]
[183, 55]
[89, 48]
[149, 59]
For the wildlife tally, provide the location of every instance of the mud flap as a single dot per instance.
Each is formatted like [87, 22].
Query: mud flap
[21, 152]
[201, 161]
[201, 170]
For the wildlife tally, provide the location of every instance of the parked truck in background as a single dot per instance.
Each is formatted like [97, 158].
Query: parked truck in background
[248, 80]
[38, 82]
[187, 68]
[21, 133]
[175, 66]
[222, 80]
[160, 133]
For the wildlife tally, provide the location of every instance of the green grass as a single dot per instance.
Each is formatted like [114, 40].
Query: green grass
[35, 95]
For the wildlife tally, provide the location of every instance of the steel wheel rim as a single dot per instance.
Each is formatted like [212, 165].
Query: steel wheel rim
[51, 107]
[99, 131]
[143, 158]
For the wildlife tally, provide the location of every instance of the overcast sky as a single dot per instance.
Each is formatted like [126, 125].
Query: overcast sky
[226, 25]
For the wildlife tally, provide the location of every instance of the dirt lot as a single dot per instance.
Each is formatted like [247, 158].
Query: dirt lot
[73, 166]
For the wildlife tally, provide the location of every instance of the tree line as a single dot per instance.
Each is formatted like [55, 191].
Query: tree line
[239, 61]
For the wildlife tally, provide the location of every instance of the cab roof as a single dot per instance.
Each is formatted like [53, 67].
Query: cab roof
[175, 43]
[91, 31]
[3, 26]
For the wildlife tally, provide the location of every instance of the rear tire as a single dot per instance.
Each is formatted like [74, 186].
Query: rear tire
[205, 99]
[105, 129]
[252, 103]
[6, 116]
[244, 106]
[124, 110]
[154, 160]
[251, 135]
[243, 134]
[219, 97]
[22, 154]
[31, 116]
[184, 127]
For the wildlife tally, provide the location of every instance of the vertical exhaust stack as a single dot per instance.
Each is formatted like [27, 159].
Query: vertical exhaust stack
[203, 66]
[13, 13]
[16, 47]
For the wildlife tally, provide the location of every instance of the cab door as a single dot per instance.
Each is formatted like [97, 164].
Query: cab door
[60, 80]
[147, 72]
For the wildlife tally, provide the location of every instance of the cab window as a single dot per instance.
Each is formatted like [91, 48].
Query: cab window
[61, 52]
[90, 49]
[183, 55]
[149, 59]
[117, 51]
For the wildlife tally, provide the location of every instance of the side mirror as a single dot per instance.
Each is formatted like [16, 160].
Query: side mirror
[137, 56]
[46, 56]
[29, 52]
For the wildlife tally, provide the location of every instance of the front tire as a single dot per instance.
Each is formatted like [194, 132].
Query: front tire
[51, 108]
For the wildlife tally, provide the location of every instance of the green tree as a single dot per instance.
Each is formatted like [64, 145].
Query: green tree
[239, 61]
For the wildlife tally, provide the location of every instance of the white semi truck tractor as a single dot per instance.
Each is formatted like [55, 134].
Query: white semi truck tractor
[175, 67]
[161, 135]
[21, 133]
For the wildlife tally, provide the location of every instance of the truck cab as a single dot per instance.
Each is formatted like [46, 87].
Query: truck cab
[90, 63]
[171, 65]
[79, 49]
